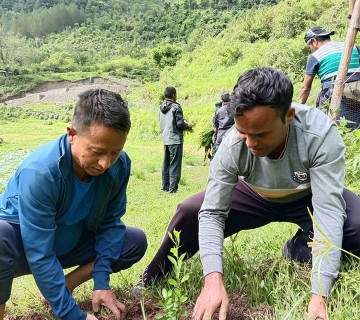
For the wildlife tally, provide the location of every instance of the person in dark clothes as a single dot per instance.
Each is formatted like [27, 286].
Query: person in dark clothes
[172, 127]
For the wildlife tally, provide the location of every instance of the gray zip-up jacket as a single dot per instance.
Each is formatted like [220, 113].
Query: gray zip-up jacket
[222, 122]
[172, 122]
[313, 162]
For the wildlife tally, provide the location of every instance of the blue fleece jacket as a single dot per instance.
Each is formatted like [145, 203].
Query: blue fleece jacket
[40, 193]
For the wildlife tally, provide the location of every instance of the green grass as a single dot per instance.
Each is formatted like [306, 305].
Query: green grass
[252, 259]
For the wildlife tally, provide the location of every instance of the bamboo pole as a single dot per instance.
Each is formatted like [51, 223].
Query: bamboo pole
[346, 55]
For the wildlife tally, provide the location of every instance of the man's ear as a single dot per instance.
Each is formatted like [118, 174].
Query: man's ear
[71, 133]
[290, 114]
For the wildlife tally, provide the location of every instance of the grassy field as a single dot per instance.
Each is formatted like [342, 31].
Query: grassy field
[253, 259]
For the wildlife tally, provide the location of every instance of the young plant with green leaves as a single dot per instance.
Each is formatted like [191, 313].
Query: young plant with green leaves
[175, 296]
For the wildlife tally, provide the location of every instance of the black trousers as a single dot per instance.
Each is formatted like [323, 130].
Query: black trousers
[171, 168]
[248, 211]
[13, 262]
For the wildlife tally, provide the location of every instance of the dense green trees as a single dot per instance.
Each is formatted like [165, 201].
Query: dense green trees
[45, 21]
[81, 33]
[199, 39]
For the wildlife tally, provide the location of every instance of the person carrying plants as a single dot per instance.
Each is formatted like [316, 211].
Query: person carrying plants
[63, 207]
[222, 121]
[172, 127]
[279, 160]
[324, 61]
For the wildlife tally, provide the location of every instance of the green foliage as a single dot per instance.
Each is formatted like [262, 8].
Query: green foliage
[175, 296]
[15, 51]
[45, 112]
[206, 138]
[166, 55]
[92, 31]
[59, 62]
[45, 21]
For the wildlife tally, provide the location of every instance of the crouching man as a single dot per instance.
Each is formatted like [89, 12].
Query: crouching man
[63, 207]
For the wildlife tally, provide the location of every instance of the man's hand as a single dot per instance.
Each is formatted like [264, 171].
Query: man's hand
[90, 317]
[108, 299]
[212, 296]
[316, 308]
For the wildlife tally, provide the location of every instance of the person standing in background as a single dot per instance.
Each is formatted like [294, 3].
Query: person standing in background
[222, 121]
[172, 127]
[324, 61]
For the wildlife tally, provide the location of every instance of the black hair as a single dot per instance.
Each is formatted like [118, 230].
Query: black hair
[322, 38]
[225, 97]
[262, 86]
[169, 92]
[102, 107]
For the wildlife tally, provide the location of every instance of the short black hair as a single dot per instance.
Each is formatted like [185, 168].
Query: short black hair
[169, 92]
[322, 38]
[102, 107]
[262, 86]
[225, 97]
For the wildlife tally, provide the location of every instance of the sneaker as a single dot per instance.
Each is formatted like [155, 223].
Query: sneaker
[297, 248]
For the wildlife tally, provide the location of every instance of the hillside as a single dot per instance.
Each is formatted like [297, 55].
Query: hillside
[109, 36]
[198, 41]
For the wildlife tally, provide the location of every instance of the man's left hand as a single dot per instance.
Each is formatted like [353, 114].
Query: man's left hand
[108, 299]
[316, 308]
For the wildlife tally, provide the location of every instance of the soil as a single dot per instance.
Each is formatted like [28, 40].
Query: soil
[66, 91]
[239, 309]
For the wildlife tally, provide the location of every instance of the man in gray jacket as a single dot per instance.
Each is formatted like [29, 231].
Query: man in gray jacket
[172, 126]
[222, 121]
[276, 162]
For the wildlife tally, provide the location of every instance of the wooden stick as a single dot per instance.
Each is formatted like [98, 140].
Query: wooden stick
[345, 58]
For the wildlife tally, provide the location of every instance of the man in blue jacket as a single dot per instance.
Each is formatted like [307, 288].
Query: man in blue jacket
[63, 208]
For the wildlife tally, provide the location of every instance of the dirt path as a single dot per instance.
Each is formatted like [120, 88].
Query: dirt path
[67, 91]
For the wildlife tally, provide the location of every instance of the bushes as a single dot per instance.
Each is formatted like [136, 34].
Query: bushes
[59, 62]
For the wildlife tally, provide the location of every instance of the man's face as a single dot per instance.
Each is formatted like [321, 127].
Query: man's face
[95, 150]
[313, 45]
[263, 131]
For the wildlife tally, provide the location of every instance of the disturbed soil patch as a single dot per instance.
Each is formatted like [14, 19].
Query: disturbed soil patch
[239, 309]
[66, 91]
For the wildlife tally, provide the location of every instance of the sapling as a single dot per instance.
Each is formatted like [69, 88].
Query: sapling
[174, 296]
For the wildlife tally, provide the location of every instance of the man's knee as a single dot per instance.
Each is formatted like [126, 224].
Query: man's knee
[351, 241]
[187, 211]
[9, 252]
[141, 244]
[8, 258]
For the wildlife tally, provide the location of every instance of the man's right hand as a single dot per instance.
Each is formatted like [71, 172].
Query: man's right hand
[90, 317]
[212, 296]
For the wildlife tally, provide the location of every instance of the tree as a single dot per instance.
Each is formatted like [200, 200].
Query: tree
[15, 52]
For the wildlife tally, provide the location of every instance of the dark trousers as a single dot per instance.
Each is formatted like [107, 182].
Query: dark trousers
[171, 168]
[248, 211]
[13, 261]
